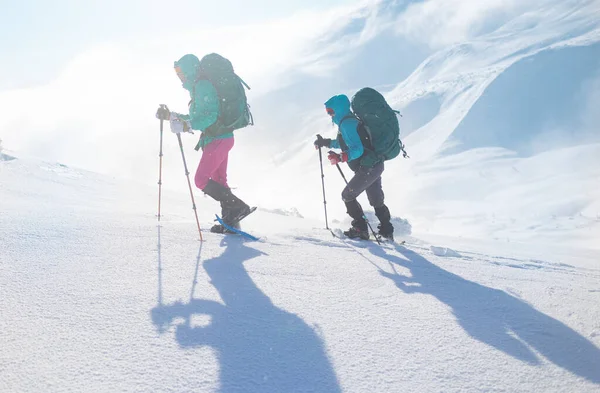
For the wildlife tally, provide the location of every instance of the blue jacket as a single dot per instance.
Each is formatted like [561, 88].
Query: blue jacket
[204, 103]
[348, 129]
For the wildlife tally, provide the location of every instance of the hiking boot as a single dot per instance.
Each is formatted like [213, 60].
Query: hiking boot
[234, 215]
[358, 230]
[385, 227]
[233, 209]
[386, 231]
[218, 228]
[357, 233]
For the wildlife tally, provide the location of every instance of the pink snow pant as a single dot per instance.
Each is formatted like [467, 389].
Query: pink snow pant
[213, 164]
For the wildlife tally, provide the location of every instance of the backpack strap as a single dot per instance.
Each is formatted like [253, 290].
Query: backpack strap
[349, 116]
[239, 119]
[363, 132]
[246, 85]
[404, 153]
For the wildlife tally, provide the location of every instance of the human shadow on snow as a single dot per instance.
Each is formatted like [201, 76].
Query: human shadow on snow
[260, 347]
[494, 317]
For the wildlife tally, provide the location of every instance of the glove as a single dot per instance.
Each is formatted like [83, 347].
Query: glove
[322, 142]
[179, 125]
[175, 116]
[335, 158]
[163, 112]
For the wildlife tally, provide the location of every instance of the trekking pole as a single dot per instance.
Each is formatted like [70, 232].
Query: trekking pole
[364, 216]
[341, 173]
[187, 174]
[160, 156]
[323, 184]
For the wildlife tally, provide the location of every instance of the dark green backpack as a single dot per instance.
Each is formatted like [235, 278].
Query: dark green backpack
[234, 111]
[380, 123]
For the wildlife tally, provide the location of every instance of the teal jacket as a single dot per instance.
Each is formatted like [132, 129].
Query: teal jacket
[349, 139]
[204, 100]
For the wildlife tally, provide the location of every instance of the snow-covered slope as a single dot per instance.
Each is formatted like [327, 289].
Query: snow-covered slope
[96, 297]
[497, 96]
[496, 289]
[501, 128]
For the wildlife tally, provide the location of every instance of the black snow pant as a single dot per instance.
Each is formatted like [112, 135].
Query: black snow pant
[366, 179]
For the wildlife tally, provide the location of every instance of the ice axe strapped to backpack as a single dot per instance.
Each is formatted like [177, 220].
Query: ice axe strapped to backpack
[378, 124]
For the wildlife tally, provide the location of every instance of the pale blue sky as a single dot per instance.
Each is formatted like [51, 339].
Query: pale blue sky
[38, 37]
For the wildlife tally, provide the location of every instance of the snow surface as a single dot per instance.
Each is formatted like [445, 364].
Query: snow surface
[499, 101]
[97, 297]
[497, 288]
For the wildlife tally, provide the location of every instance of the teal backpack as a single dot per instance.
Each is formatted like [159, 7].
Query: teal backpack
[379, 123]
[234, 111]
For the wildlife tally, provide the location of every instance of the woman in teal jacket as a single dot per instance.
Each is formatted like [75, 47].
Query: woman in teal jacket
[204, 109]
[367, 168]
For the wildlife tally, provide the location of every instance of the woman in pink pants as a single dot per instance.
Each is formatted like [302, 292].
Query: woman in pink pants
[216, 116]
[213, 164]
